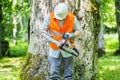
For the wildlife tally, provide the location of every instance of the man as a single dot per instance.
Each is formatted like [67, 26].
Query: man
[57, 23]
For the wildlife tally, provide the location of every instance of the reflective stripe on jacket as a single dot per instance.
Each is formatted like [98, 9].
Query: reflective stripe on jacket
[68, 26]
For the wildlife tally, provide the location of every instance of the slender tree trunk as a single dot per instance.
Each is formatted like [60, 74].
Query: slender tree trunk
[117, 5]
[4, 44]
[28, 28]
[0, 27]
[15, 30]
[101, 45]
[14, 5]
[35, 66]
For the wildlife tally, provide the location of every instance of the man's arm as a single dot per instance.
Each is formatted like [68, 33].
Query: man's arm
[77, 33]
[46, 23]
[77, 29]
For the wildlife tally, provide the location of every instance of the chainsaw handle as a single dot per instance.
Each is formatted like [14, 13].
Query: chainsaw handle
[76, 51]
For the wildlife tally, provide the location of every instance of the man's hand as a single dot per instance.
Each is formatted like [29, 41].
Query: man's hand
[68, 36]
[65, 35]
[73, 35]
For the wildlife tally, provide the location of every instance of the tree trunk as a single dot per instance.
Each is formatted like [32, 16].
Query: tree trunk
[101, 45]
[0, 27]
[35, 66]
[15, 21]
[117, 5]
[87, 11]
[4, 44]
[15, 30]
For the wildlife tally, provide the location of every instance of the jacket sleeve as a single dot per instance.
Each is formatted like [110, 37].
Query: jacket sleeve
[76, 24]
[46, 22]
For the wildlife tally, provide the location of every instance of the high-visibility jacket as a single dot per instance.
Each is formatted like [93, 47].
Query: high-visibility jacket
[67, 27]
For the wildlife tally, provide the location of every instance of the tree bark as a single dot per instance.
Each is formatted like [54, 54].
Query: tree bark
[35, 66]
[15, 30]
[0, 27]
[117, 5]
[4, 44]
[101, 45]
[89, 17]
[15, 21]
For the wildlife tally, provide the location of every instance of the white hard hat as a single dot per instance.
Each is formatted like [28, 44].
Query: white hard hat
[61, 11]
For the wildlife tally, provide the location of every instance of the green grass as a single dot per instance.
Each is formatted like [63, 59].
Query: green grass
[108, 67]
[10, 66]
[20, 49]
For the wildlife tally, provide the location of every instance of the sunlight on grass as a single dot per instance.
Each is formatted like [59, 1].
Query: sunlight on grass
[109, 68]
[109, 65]
[111, 42]
[20, 49]
[10, 66]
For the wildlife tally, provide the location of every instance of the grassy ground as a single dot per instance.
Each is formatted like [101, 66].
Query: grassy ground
[9, 66]
[108, 67]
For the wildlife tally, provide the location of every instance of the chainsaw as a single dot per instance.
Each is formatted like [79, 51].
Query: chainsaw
[63, 45]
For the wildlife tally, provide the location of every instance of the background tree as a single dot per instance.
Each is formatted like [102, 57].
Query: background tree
[20, 9]
[101, 45]
[0, 27]
[108, 18]
[15, 20]
[117, 5]
[4, 44]
[13, 15]
[35, 66]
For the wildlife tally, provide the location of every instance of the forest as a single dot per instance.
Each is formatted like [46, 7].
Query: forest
[23, 52]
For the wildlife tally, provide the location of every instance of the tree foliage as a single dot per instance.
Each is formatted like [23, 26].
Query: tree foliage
[20, 8]
[9, 9]
[108, 13]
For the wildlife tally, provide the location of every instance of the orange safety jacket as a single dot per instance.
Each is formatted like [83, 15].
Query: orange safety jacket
[68, 27]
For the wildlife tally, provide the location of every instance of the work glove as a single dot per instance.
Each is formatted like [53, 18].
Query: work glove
[68, 36]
